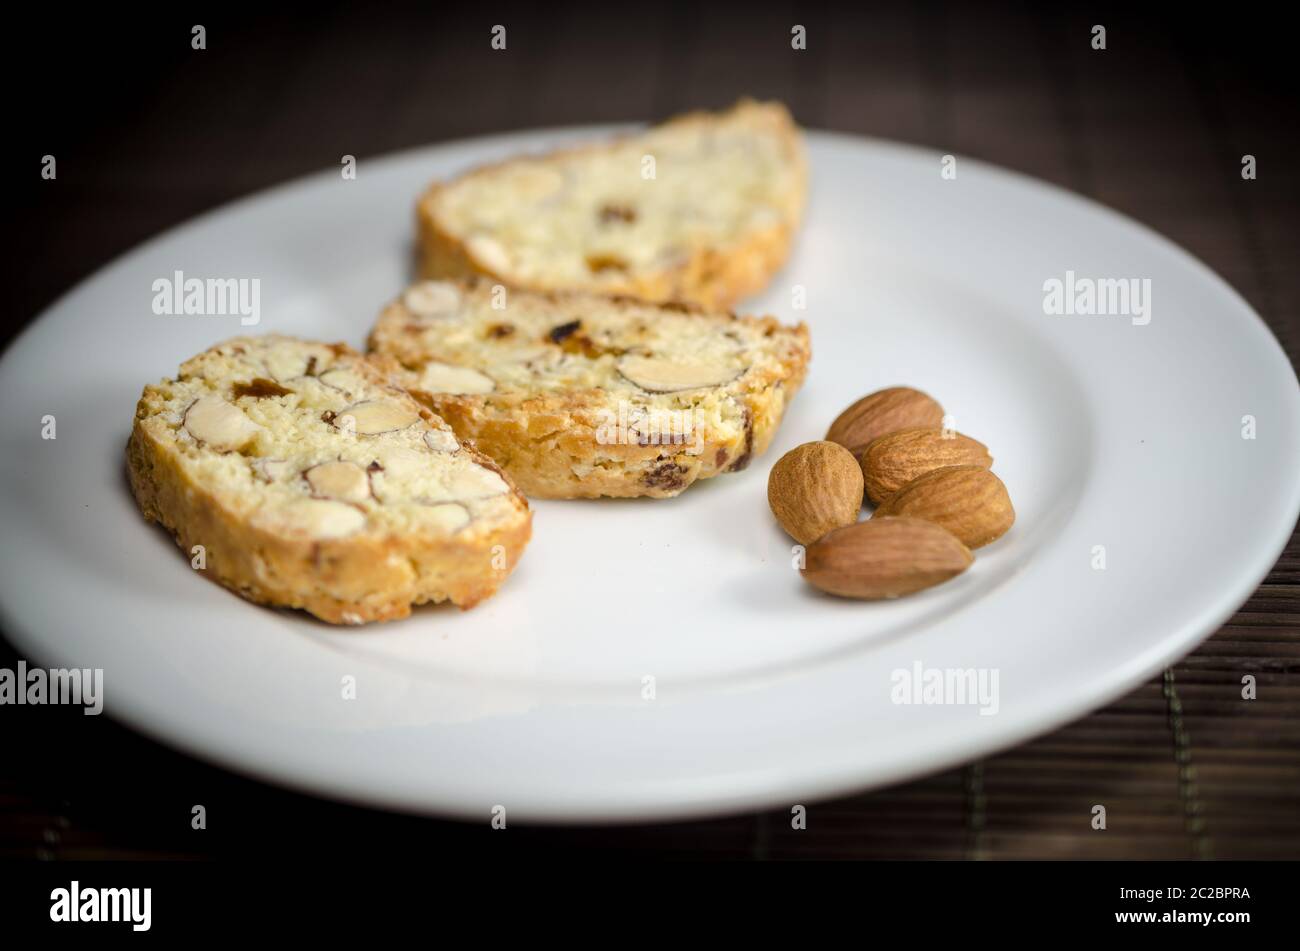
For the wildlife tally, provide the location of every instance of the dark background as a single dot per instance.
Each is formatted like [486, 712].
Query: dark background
[148, 132]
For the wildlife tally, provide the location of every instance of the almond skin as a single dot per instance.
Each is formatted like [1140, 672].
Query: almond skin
[969, 501]
[814, 488]
[891, 461]
[883, 412]
[884, 558]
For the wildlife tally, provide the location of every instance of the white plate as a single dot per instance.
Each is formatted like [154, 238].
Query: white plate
[766, 694]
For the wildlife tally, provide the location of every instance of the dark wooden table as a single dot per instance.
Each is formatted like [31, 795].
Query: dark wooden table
[149, 132]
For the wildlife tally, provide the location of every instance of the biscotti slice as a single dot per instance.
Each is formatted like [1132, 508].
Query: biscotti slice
[700, 209]
[311, 482]
[580, 395]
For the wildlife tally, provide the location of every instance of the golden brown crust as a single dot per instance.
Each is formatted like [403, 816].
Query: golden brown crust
[713, 277]
[349, 580]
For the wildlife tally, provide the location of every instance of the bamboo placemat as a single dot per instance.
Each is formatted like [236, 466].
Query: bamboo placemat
[1154, 126]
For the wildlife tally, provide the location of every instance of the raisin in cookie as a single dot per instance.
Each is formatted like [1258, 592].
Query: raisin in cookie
[313, 483]
[701, 209]
[582, 395]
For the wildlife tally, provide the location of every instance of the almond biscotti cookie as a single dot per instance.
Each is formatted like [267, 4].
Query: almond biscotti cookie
[581, 395]
[313, 483]
[701, 209]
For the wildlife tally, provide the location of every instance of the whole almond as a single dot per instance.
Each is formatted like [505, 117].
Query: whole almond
[891, 461]
[883, 412]
[814, 488]
[884, 558]
[969, 501]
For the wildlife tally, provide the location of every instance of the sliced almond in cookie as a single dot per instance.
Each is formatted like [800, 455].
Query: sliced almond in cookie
[432, 299]
[400, 462]
[341, 379]
[489, 253]
[473, 482]
[345, 481]
[372, 417]
[527, 354]
[218, 424]
[449, 516]
[286, 362]
[441, 440]
[465, 483]
[537, 182]
[664, 375]
[445, 378]
[316, 518]
[271, 470]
